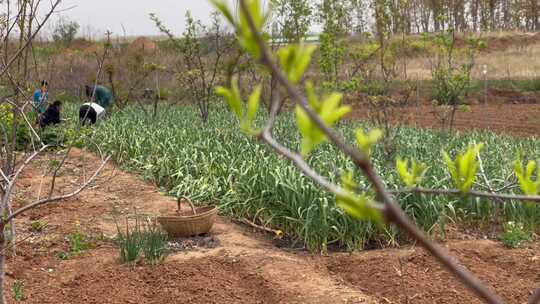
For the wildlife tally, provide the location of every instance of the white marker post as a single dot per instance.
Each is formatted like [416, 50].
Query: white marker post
[484, 74]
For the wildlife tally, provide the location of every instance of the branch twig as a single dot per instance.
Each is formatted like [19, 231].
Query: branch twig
[61, 197]
[9, 62]
[452, 192]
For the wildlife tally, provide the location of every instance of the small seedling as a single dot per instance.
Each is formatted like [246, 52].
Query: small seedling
[37, 226]
[78, 242]
[62, 255]
[514, 235]
[18, 291]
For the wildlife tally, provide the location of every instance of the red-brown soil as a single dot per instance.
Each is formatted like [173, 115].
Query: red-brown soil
[412, 276]
[506, 112]
[245, 267]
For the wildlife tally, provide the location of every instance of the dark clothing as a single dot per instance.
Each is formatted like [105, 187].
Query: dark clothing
[50, 117]
[102, 96]
[87, 115]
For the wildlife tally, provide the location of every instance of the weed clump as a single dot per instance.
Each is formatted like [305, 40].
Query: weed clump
[514, 235]
[145, 239]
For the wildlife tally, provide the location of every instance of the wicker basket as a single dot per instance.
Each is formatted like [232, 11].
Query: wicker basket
[191, 223]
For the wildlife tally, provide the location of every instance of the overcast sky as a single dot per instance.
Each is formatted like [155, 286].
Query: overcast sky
[96, 16]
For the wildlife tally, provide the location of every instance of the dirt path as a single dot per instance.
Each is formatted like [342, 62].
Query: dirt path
[245, 267]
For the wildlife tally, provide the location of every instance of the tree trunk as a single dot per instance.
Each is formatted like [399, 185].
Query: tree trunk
[2, 264]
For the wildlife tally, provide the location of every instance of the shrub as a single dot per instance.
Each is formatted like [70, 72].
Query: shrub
[529, 85]
[66, 134]
[6, 124]
[514, 235]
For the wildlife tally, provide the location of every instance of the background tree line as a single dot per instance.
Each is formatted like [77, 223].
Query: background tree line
[408, 16]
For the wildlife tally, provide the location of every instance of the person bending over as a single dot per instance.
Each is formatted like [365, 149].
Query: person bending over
[102, 95]
[51, 116]
[90, 113]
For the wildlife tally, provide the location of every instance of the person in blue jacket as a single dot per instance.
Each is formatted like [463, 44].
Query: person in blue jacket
[102, 95]
[41, 97]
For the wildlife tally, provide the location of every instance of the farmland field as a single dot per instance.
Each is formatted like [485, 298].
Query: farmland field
[505, 116]
[245, 266]
[282, 151]
[224, 166]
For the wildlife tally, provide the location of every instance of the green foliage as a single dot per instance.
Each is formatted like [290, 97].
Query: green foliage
[410, 47]
[154, 243]
[66, 134]
[292, 18]
[366, 141]
[329, 111]
[37, 226]
[62, 255]
[333, 16]
[76, 135]
[164, 94]
[65, 31]
[529, 85]
[450, 85]
[79, 242]
[411, 175]
[130, 244]
[18, 290]
[358, 206]
[530, 185]
[366, 51]
[464, 168]
[451, 73]
[23, 137]
[245, 114]
[514, 235]
[245, 36]
[294, 60]
[145, 238]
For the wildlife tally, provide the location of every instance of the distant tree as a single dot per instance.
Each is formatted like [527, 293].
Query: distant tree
[334, 17]
[202, 51]
[294, 18]
[65, 31]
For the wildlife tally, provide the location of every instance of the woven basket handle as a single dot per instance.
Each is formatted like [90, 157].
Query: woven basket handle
[179, 203]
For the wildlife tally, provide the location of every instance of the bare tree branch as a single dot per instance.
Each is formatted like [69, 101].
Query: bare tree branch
[22, 166]
[7, 64]
[452, 192]
[61, 197]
